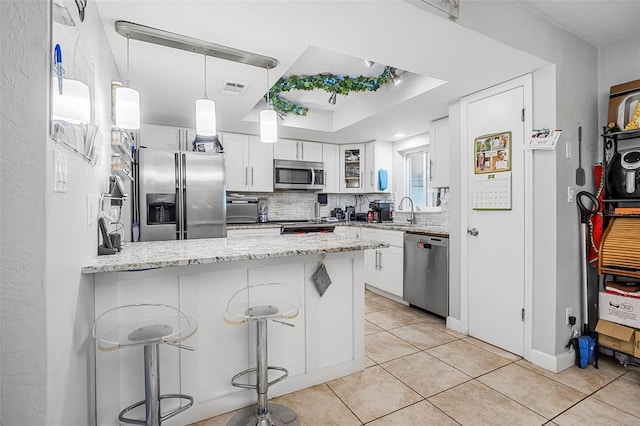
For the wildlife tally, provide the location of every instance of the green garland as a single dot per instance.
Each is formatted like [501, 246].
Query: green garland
[330, 83]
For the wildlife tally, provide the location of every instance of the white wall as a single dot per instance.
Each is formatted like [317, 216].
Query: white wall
[575, 100]
[23, 115]
[47, 305]
[70, 346]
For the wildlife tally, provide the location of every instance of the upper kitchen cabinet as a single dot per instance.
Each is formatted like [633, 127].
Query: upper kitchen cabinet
[248, 162]
[286, 149]
[166, 137]
[352, 168]
[439, 141]
[331, 160]
[378, 158]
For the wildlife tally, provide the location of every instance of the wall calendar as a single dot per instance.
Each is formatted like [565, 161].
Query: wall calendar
[492, 191]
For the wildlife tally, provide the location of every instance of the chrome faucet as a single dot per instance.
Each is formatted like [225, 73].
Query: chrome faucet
[411, 218]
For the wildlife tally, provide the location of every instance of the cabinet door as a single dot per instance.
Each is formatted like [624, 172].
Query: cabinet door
[371, 273]
[439, 141]
[236, 152]
[260, 165]
[310, 151]
[378, 156]
[286, 149]
[158, 137]
[331, 160]
[352, 168]
[390, 265]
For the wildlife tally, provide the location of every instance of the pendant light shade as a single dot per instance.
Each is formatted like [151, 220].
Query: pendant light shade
[127, 103]
[127, 108]
[206, 117]
[205, 111]
[74, 105]
[268, 120]
[268, 126]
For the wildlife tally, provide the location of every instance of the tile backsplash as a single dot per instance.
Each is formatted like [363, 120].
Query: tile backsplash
[292, 205]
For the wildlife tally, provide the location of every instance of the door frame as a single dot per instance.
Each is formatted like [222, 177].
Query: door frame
[526, 82]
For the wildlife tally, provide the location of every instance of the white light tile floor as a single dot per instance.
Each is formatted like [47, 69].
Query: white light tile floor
[419, 373]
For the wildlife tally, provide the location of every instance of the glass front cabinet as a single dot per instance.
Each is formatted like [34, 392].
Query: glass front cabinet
[352, 168]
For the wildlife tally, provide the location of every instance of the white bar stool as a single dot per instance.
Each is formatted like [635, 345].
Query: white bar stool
[149, 325]
[259, 303]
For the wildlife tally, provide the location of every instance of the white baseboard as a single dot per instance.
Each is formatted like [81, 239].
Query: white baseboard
[386, 294]
[553, 363]
[456, 325]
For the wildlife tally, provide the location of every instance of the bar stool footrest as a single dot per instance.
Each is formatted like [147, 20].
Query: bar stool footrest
[178, 410]
[251, 370]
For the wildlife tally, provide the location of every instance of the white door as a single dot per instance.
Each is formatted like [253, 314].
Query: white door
[496, 255]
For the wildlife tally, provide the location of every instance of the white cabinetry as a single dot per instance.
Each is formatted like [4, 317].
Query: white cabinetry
[248, 163]
[166, 137]
[378, 156]
[331, 160]
[286, 149]
[352, 168]
[439, 141]
[383, 268]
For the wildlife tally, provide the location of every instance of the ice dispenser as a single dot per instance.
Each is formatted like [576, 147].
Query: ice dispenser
[161, 209]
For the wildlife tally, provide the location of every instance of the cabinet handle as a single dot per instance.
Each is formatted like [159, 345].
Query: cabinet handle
[302, 150]
[297, 150]
[360, 183]
[372, 182]
[246, 176]
[376, 260]
[430, 169]
[380, 260]
[251, 176]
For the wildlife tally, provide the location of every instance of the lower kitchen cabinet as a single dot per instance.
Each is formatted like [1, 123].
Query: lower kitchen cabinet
[383, 268]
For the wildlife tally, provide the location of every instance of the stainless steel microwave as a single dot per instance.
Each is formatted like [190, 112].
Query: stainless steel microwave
[298, 175]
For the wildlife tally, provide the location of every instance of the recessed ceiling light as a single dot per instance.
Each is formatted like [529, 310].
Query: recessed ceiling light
[399, 135]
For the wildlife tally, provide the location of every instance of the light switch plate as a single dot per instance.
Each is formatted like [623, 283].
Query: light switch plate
[570, 194]
[567, 153]
[60, 171]
[92, 209]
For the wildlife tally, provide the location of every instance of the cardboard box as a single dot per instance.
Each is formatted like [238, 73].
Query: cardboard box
[616, 336]
[636, 349]
[619, 309]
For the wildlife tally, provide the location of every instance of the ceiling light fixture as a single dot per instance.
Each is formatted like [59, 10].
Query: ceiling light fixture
[127, 103]
[369, 63]
[179, 41]
[205, 111]
[268, 120]
[399, 135]
[74, 104]
[332, 98]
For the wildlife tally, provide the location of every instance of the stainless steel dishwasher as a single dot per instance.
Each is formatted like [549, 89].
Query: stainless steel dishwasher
[426, 272]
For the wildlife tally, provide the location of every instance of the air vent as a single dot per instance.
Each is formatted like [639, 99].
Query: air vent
[233, 88]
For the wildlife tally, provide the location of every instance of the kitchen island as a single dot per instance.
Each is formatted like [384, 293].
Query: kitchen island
[199, 277]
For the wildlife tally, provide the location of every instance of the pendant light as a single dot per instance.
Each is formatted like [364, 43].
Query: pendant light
[74, 104]
[127, 103]
[205, 110]
[268, 121]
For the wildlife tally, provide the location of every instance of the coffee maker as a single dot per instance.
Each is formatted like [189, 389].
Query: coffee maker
[382, 211]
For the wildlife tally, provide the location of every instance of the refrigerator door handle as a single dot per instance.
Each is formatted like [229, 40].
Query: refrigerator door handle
[183, 200]
[178, 197]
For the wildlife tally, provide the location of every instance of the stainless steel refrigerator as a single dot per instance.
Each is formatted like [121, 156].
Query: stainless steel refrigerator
[182, 195]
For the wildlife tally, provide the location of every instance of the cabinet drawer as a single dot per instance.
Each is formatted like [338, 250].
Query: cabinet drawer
[393, 238]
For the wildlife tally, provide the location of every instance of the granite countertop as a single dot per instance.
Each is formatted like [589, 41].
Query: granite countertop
[422, 229]
[162, 254]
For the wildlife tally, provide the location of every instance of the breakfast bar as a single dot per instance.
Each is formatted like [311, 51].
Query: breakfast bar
[199, 277]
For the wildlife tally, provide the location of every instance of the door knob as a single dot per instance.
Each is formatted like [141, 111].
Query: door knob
[472, 231]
